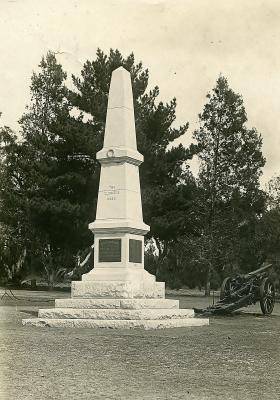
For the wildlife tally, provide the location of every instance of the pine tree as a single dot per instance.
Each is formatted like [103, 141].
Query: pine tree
[230, 166]
[13, 220]
[57, 171]
[56, 165]
[269, 227]
[166, 182]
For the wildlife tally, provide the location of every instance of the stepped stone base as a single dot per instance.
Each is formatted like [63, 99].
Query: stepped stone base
[118, 289]
[116, 304]
[133, 304]
[116, 324]
[114, 314]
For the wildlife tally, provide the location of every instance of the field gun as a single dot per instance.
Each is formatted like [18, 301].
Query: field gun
[243, 290]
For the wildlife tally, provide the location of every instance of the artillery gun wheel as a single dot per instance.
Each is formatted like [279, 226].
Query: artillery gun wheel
[226, 288]
[267, 296]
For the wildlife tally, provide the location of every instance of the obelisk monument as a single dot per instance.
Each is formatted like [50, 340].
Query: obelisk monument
[119, 228]
[118, 292]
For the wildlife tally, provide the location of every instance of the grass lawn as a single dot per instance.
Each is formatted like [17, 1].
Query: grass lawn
[235, 357]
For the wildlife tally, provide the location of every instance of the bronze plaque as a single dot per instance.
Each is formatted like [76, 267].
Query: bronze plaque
[110, 250]
[135, 251]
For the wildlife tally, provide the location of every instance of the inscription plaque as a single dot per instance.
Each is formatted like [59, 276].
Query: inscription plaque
[110, 250]
[111, 193]
[135, 251]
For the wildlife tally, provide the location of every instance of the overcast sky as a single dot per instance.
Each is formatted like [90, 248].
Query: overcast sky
[185, 44]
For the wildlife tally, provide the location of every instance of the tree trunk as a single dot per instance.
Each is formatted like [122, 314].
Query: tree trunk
[51, 281]
[207, 283]
[33, 284]
[161, 255]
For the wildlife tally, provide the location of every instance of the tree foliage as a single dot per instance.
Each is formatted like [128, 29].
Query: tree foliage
[166, 187]
[55, 171]
[230, 153]
[269, 229]
[230, 166]
[52, 170]
[203, 228]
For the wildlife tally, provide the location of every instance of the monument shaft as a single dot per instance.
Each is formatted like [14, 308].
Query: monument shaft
[119, 228]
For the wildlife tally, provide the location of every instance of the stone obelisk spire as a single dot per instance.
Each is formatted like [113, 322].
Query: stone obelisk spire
[119, 207]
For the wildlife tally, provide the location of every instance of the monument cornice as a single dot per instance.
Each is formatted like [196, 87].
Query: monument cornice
[117, 226]
[114, 154]
[123, 159]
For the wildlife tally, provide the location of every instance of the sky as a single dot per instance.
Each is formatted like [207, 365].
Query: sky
[185, 44]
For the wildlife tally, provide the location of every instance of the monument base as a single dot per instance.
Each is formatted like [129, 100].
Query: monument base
[118, 292]
[117, 304]
[116, 324]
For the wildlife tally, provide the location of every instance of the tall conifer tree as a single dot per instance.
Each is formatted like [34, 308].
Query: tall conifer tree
[230, 166]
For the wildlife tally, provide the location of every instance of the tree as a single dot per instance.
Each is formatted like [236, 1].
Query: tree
[56, 171]
[49, 175]
[64, 183]
[273, 191]
[269, 227]
[230, 166]
[13, 220]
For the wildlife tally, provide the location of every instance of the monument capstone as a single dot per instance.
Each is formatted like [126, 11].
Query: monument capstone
[118, 292]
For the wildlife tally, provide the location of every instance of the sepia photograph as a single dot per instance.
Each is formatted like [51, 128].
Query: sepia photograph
[140, 200]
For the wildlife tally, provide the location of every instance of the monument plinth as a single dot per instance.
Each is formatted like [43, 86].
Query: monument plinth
[118, 292]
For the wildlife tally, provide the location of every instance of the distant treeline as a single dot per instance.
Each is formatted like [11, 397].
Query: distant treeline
[202, 228]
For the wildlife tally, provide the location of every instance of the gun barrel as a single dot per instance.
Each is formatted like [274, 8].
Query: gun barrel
[258, 271]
